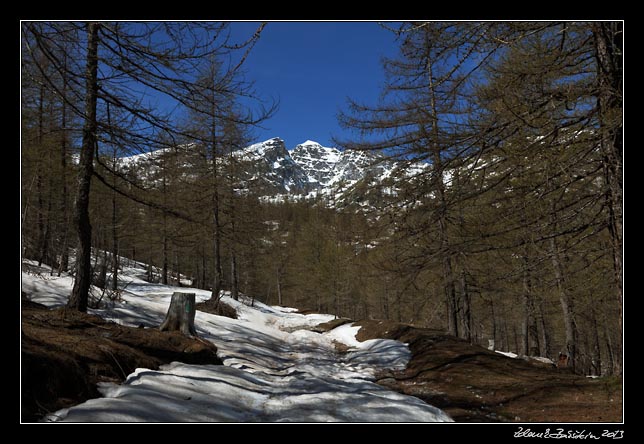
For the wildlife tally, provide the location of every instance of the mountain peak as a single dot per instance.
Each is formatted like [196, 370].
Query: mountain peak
[268, 167]
[318, 162]
[311, 146]
[274, 147]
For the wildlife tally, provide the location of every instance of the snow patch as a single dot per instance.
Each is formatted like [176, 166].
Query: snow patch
[533, 358]
[508, 354]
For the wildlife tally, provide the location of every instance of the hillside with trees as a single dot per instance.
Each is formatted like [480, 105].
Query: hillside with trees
[501, 223]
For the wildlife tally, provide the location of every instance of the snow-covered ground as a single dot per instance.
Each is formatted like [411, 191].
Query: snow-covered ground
[275, 368]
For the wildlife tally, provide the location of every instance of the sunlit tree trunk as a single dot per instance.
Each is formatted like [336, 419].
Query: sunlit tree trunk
[80, 291]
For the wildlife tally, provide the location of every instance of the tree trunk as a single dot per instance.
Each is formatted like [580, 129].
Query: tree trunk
[64, 257]
[115, 242]
[494, 323]
[39, 179]
[44, 248]
[101, 278]
[177, 266]
[164, 272]
[47, 248]
[115, 261]
[450, 296]
[566, 305]
[80, 292]
[399, 305]
[203, 270]
[544, 340]
[466, 312]
[181, 314]
[439, 187]
[596, 360]
[608, 54]
[279, 289]
[385, 301]
[524, 350]
[234, 273]
[64, 254]
[527, 305]
[234, 290]
[609, 349]
[217, 280]
[115, 271]
[516, 338]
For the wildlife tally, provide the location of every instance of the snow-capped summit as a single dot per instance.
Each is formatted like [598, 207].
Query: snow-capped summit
[309, 142]
[272, 149]
[330, 166]
[317, 161]
[270, 166]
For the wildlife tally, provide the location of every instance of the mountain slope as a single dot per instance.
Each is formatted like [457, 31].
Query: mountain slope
[268, 168]
[330, 166]
[316, 161]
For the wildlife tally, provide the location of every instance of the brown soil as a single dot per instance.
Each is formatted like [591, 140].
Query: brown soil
[330, 325]
[217, 308]
[473, 384]
[65, 353]
[307, 311]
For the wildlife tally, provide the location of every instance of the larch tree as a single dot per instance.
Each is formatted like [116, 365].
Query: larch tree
[217, 122]
[547, 108]
[421, 117]
[124, 64]
[520, 124]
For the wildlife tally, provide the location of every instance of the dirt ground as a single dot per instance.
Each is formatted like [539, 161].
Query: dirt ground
[473, 384]
[217, 308]
[65, 353]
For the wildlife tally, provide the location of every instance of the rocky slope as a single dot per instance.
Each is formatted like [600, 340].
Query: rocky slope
[269, 169]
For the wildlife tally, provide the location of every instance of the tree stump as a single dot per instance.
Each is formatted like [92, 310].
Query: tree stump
[181, 314]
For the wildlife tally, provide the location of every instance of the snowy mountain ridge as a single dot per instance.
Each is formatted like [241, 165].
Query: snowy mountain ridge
[327, 169]
[270, 164]
[309, 170]
[318, 162]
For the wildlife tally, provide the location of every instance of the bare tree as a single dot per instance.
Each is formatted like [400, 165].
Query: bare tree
[80, 292]
[123, 63]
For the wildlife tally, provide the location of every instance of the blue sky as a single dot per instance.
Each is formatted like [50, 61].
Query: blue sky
[312, 67]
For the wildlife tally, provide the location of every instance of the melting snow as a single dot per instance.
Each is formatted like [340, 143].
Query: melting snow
[534, 358]
[275, 368]
[508, 354]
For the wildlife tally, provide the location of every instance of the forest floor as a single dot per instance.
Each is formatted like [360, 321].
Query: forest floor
[279, 365]
[473, 384]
